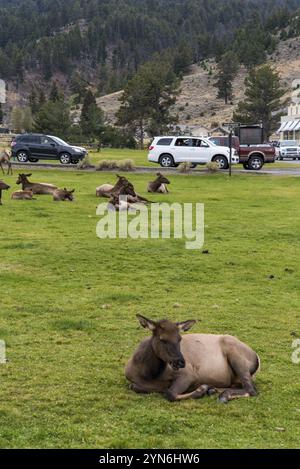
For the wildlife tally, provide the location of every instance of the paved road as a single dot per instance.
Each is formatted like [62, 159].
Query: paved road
[268, 169]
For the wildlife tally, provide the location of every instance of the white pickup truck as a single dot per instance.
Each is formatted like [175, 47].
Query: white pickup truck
[171, 151]
[288, 149]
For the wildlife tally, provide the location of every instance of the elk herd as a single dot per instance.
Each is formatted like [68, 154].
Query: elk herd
[180, 367]
[121, 195]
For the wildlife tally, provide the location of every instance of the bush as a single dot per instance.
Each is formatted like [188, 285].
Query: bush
[212, 167]
[110, 165]
[185, 167]
[107, 165]
[85, 163]
[126, 165]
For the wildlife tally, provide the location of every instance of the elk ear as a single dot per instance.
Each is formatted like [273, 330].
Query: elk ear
[72, 191]
[27, 175]
[146, 323]
[186, 325]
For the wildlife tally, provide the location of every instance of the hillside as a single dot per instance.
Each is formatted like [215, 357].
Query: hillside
[197, 103]
[107, 40]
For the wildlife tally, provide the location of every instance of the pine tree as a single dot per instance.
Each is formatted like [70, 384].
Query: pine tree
[55, 93]
[92, 117]
[53, 118]
[147, 99]
[227, 69]
[264, 99]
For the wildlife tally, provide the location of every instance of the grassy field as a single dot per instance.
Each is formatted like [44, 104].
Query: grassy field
[68, 305]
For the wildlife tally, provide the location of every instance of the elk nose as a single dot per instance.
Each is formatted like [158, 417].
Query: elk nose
[181, 363]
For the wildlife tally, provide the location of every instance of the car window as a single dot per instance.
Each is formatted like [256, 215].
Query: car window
[30, 139]
[47, 140]
[184, 142]
[165, 141]
[216, 141]
[197, 142]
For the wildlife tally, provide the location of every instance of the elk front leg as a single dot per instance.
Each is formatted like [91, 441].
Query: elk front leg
[177, 392]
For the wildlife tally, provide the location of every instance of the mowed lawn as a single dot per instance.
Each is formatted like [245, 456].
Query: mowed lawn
[69, 300]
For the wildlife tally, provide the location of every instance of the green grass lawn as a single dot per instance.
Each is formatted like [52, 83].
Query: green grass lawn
[64, 384]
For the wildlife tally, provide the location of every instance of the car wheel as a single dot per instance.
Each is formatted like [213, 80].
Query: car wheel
[65, 158]
[166, 161]
[22, 156]
[256, 163]
[222, 161]
[33, 160]
[193, 165]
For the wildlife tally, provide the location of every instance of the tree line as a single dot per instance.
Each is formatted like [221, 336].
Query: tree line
[109, 39]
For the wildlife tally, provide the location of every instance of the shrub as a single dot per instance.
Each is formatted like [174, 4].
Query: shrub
[126, 165]
[110, 165]
[185, 167]
[107, 165]
[212, 167]
[85, 163]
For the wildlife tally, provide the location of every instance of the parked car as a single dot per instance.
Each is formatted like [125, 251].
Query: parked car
[253, 157]
[171, 151]
[4, 130]
[288, 149]
[35, 147]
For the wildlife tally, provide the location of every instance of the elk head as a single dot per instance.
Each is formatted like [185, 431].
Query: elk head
[22, 178]
[162, 179]
[166, 339]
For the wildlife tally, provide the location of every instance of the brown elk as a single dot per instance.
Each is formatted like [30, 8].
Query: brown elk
[37, 188]
[107, 190]
[63, 195]
[5, 158]
[123, 197]
[3, 187]
[191, 366]
[23, 195]
[159, 185]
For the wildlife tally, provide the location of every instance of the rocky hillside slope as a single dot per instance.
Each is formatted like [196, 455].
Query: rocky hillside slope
[197, 103]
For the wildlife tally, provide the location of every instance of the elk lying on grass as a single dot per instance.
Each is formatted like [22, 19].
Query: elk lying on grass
[37, 187]
[121, 199]
[5, 157]
[23, 195]
[63, 195]
[191, 366]
[107, 190]
[159, 185]
[3, 187]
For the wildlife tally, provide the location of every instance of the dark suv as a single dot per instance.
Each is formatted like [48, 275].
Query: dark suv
[35, 147]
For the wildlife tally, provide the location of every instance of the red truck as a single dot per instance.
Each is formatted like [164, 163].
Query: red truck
[248, 142]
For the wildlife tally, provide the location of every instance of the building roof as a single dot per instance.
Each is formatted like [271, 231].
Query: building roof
[289, 125]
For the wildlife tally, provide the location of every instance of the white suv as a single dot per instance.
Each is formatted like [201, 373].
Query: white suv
[171, 151]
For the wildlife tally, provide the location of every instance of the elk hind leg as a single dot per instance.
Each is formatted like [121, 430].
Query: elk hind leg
[243, 374]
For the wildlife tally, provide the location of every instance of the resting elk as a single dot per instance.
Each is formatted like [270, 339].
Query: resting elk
[107, 190]
[5, 157]
[119, 200]
[3, 187]
[193, 365]
[37, 187]
[23, 195]
[159, 185]
[63, 195]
